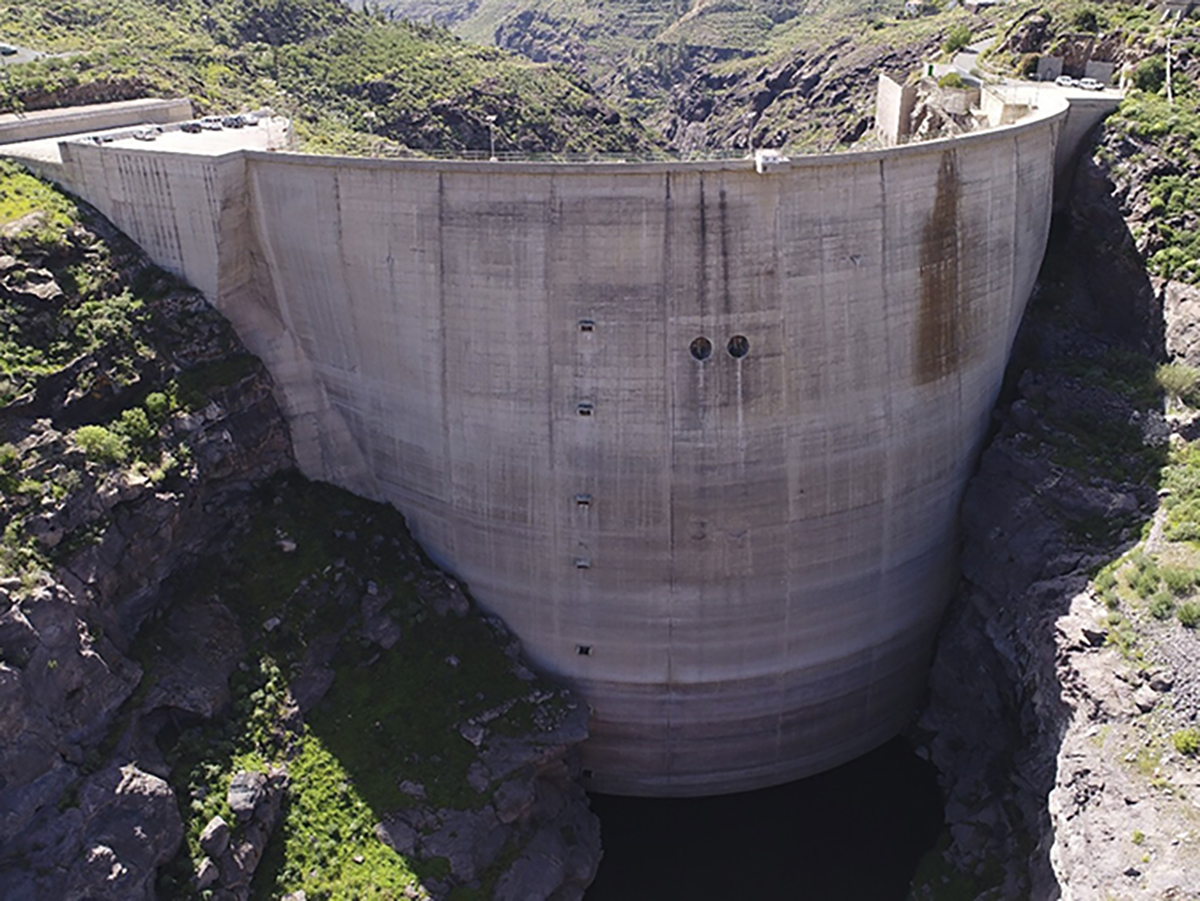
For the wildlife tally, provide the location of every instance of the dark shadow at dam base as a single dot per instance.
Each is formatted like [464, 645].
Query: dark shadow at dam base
[855, 833]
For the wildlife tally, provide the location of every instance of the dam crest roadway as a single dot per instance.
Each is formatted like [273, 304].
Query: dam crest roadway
[697, 430]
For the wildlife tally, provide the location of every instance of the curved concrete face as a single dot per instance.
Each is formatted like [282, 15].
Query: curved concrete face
[698, 434]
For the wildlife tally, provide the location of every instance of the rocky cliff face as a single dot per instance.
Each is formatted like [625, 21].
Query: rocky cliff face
[87, 546]
[178, 625]
[1058, 683]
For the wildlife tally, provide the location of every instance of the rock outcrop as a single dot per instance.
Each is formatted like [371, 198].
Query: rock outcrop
[1050, 699]
[533, 803]
[110, 536]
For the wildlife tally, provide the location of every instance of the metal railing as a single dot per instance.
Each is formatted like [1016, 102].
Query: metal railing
[521, 156]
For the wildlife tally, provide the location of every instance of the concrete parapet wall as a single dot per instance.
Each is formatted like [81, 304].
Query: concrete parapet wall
[740, 558]
[97, 117]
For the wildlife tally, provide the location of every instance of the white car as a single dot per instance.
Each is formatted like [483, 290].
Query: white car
[1091, 84]
[1065, 81]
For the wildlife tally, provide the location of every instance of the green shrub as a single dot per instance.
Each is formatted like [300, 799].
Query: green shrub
[1187, 741]
[1145, 581]
[159, 406]
[1189, 614]
[951, 80]
[1140, 561]
[10, 467]
[1180, 381]
[1183, 520]
[1106, 580]
[135, 426]
[1162, 605]
[1150, 74]
[1180, 579]
[959, 37]
[98, 443]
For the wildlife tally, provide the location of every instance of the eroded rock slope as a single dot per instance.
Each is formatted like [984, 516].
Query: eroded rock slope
[216, 677]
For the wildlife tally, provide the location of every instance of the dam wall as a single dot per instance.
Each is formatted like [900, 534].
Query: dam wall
[698, 434]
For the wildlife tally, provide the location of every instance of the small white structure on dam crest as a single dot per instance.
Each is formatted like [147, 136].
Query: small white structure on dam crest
[697, 432]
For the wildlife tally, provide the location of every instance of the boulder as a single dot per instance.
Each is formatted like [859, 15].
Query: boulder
[246, 792]
[215, 837]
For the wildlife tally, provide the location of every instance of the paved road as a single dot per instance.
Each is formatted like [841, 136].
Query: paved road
[23, 55]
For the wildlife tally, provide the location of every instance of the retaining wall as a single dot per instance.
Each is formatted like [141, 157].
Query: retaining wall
[95, 117]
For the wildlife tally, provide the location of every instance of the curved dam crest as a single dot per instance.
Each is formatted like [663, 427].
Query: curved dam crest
[697, 432]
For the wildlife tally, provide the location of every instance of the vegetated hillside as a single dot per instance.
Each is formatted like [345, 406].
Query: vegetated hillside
[721, 74]
[352, 81]
[1151, 146]
[216, 676]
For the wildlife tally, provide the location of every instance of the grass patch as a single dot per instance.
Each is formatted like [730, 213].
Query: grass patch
[326, 844]
[194, 387]
[1180, 579]
[1180, 382]
[395, 710]
[22, 193]
[1187, 741]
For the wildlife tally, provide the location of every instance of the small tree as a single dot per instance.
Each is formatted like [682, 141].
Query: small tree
[959, 37]
[98, 443]
[1086, 20]
[1150, 74]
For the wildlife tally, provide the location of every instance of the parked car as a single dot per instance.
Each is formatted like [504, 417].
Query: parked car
[8, 50]
[233, 121]
[211, 123]
[249, 119]
[1065, 81]
[1091, 84]
[191, 128]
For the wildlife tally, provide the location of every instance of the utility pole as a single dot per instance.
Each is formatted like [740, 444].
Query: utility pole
[491, 124]
[1170, 88]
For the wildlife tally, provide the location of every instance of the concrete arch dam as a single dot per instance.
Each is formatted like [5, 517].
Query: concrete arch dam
[697, 433]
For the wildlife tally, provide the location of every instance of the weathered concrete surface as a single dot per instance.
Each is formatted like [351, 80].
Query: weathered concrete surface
[754, 551]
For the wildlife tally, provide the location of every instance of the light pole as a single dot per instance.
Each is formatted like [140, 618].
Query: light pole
[491, 124]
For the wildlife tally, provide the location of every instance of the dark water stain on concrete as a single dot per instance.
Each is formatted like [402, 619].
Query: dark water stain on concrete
[856, 833]
[941, 318]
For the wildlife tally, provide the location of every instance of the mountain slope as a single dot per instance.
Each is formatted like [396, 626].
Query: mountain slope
[352, 81]
[717, 74]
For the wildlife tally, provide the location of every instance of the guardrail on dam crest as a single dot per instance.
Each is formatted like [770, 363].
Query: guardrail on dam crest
[697, 432]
